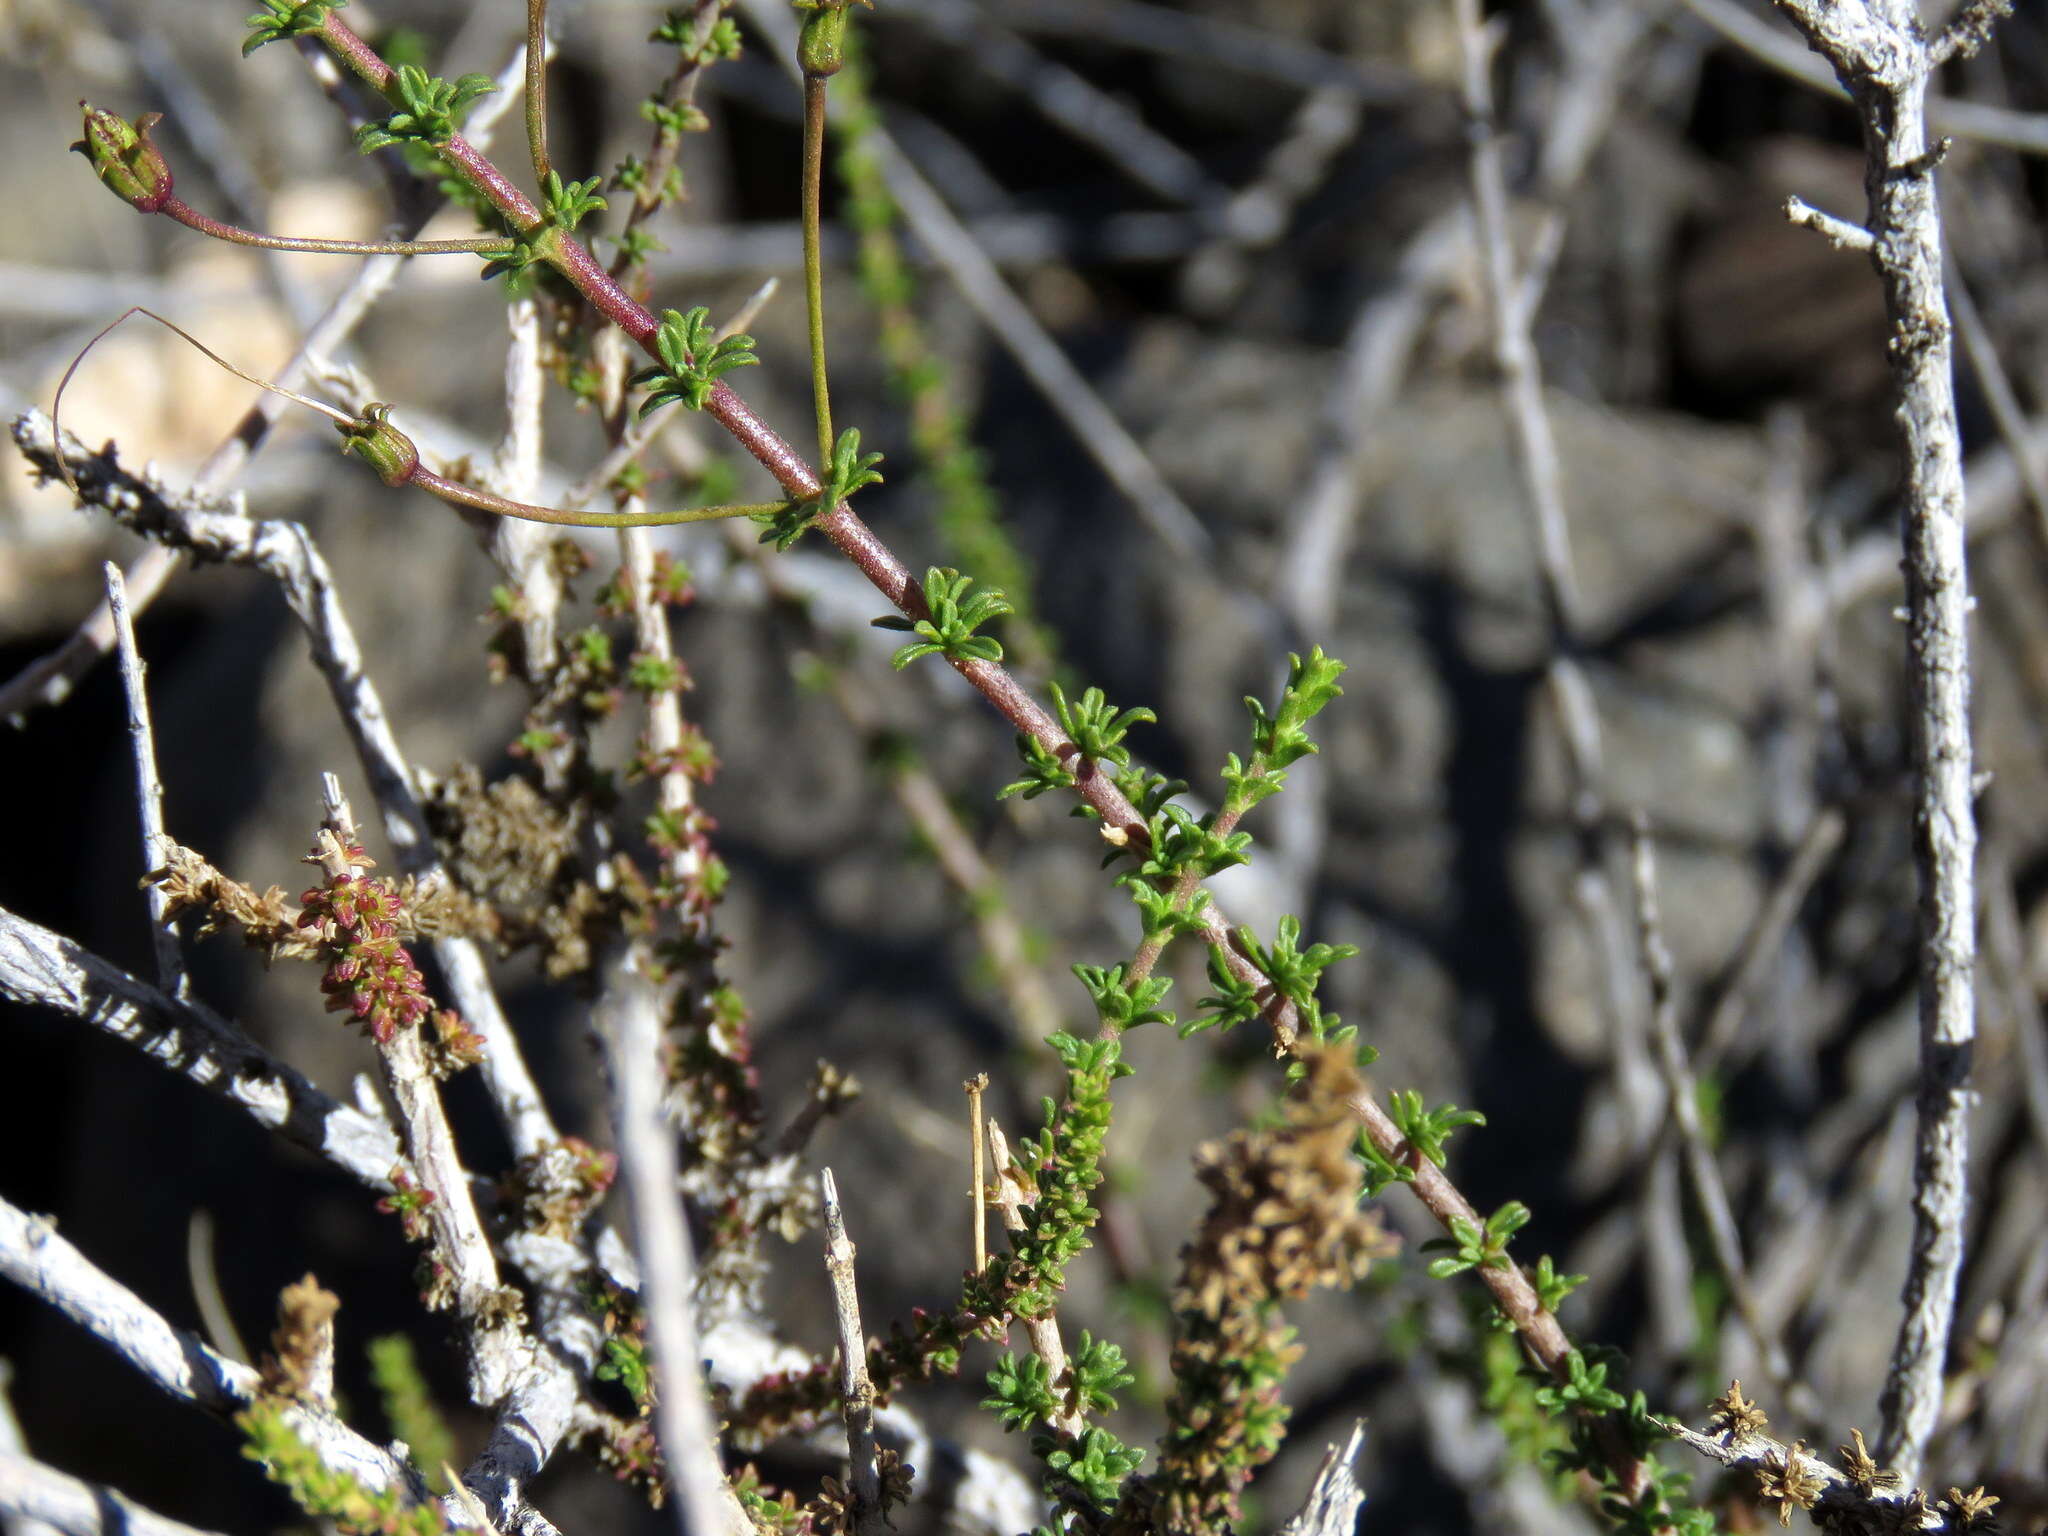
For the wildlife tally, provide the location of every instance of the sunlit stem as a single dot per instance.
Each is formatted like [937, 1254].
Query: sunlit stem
[483, 501]
[192, 218]
[537, 89]
[814, 267]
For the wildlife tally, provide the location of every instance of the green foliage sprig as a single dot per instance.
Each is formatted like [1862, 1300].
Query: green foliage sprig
[1473, 1246]
[1584, 1388]
[1428, 1130]
[1043, 771]
[1084, 1472]
[1020, 1391]
[1122, 1004]
[566, 204]
[956, 615]
[324, 1492]
[1064, 1161]
[1294, 973]
[409, 1407]
[430, 112]
[1087, 1471]
[1551, 1287]
[283, 19]
[1281, 738]
[1096, 726]
[848, 471]
[693, 360]
[699, 39]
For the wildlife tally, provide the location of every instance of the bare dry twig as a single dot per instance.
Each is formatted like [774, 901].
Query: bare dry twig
[149, 790]
[1681, 1087]
[856, 1391]
[628, 1022]
[1879, 53]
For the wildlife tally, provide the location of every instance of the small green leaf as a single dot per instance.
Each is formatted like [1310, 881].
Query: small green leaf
[850, 470]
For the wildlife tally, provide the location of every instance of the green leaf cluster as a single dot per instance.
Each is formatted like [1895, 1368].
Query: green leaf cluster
[1089, 1470]
[1084, 1472]
[625, 1361]
[1281, 738]
[325, 1492]
[700, 39]
[693, 360]
[956, 613]
[1472, 1246]
[1551, 1287]
[1042, 770]
[1065, 1160]
[1294, 973]
[848, 472]
[409, 1407]
[674, 118]
[1660, 1504]
[1097, 726]
[1428, 1130]
[1100, 1372]
[565, 204]
[1584, 1388]
[1123, 1005]
[282, 19]
[1020, 1391]
[430, 111]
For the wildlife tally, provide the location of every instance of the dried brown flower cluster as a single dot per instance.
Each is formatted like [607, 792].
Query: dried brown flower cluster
[1864, 1500]
[833, 1509]
[300, 1364]
[1283, 1217]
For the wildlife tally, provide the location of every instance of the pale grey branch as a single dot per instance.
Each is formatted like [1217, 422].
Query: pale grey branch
[1882, 59]
[48, 970]
[31, 1491]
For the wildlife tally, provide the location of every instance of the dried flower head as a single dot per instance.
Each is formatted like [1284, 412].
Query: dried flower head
[1784, 1479]
[1970, 1511]
[1283, 1217]
[300, 1364]
[1865, 1475]
[1735, 1415]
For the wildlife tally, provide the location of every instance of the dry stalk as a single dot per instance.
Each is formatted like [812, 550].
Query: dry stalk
[1884, 60]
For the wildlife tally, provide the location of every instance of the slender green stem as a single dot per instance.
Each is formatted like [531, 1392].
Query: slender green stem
[814, 267]
[192, 218]
[537, 89]
[483, 501]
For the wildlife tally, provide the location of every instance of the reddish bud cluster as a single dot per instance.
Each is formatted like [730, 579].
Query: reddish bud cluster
[370, 975]
[408, 1202]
